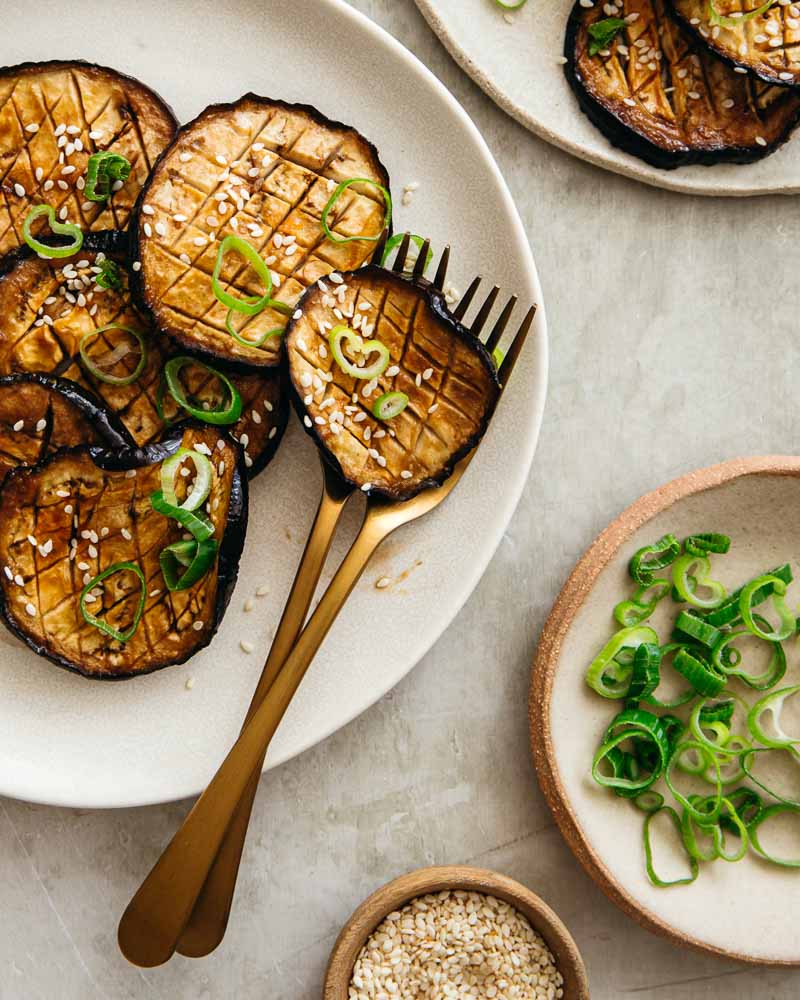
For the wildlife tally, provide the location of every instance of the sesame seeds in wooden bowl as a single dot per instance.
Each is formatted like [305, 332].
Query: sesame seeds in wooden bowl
[520, 948]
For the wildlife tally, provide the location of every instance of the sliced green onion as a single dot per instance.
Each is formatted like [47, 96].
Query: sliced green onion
[198, 526]
[692, 627]
[201, 487]
[703, 816]
[276, 331]
[690, 572]
[340, 334]
[649, 801]
[510, 4]
[726, 658]
[602, 33]
[228, 413]
[642, 605]
[101, 171]
[390, 405]
[773, 704]
[398, 238]
[110, 275]
[250, 305]
[671, 649]
[701, 545]
[606, 675]
[728, 612]
[655, 879]
[640, 726]
[754, 827]
[652, 558]
[724, 21]
[59, 228]
[646, 671]
[117, 354]
[787, 624]
[337, 195]
[702, 675]
[102, 624]
[747, 805]
[184, 563]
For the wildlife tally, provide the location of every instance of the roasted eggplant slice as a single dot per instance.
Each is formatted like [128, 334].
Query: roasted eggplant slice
[767, 45]
[48, 306]
[40, 414]
[85, 510]
[657, 93]
[53, 117]
[435, 394]
[264, 171]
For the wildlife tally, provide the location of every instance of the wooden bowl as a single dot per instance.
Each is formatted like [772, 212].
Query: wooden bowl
[402, 890]
[757, 502]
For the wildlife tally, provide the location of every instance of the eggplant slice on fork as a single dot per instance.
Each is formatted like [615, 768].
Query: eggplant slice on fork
[40, 414]
[87, 510]
[767, 46]
[658, 93]
[403, 428]
[53, 117]
[263, 171]
[48, 306]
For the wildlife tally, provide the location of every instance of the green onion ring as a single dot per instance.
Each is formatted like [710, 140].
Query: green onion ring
[788, 622]
[728, 612]
[688, 625]
[250, 305]
[197, 525]
[646, 671]
[694, 867]
[201, 487]
[701, 545]
[98, 373]
[59, 228]
[755, 825]
[335, 197]
[701, 817]
[276, 331]
[510, 4]
[652, 558]
[194, 557]
[228, 414]
[702, 675]
[100, 623]
[398, 238]
[605, 663]
[643, 603]
[365, 347]
[772, 703]
[102, 169]
[684, 697]
[724, 21]
[727, 658]
[649, 801]
[689, 568]
[389, 405]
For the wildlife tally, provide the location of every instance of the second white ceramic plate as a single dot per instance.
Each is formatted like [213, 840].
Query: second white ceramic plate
[516, 64]
[68, 741]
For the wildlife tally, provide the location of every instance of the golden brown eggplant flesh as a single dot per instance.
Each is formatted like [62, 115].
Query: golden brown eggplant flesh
[86, 509]
[659, 94]
[445, 372]
[40, 414]
[47, 306]
[53, 117]
[767, 46]
[262, 170]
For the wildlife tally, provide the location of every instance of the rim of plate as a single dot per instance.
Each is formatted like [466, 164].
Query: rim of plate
[665, 179]
[578, 587]
[494, 528]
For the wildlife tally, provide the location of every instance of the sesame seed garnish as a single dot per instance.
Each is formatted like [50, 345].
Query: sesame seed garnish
[19, 581]
[19, 190]
[405, 474]
[19, 425]
[200, 241]
[94, 134]
[761, 140]
[33, 127]
[8, 573]
[366, 487]
[247, 647]
[197, 626]
[148, 210]
[307, 421]
[185, 157]
[30, 609]
[189, 680]
[383, 583]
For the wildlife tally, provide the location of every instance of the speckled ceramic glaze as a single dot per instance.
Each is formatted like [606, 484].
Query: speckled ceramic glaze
[67, 741]
[739, 910]
[517, 65]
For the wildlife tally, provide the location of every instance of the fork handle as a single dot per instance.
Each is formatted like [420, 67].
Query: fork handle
[209, 918]
[155, 918]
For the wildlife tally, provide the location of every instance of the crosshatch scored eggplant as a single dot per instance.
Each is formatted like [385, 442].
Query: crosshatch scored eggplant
[658, 94]
[53, 117]
[40, 414]
[767, 46]
[47, 306]
[262, 170]
[445, 372]
[105, 494]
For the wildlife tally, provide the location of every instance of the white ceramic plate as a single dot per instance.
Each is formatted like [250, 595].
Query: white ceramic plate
[68, 741]
[516, 65]
[739, 910]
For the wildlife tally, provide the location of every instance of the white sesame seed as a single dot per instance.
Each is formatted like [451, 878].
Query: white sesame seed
[19, 425]
[197, 626]
[307, 421]
[148, 210]
[246, 646]
[137, 265]
[19, 190]
[383, 583]
[30, 609]
[761, 140]
[366, 487]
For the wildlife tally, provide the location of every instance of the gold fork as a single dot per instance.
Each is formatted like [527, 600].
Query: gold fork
[185, 900]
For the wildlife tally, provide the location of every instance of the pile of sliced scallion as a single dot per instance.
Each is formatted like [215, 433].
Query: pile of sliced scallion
[706, 742]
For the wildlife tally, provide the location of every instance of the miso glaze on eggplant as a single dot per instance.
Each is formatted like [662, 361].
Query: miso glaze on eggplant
[87, 509]
[445, 372]
[659, 94]
[53, 117]
[262, 170]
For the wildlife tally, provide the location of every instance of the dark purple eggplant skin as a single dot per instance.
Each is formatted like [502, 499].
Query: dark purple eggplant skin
[438, 305]
[228, 559]
[629, 141]
[105, 423]
[134, 252]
